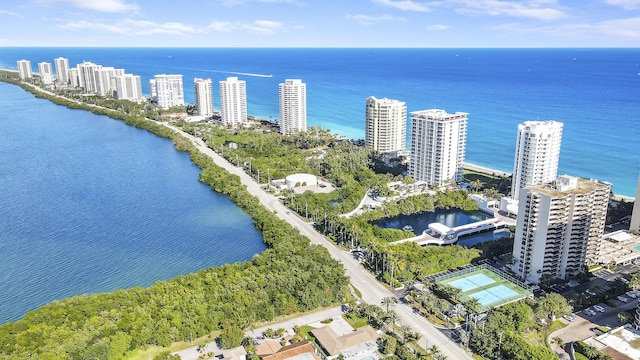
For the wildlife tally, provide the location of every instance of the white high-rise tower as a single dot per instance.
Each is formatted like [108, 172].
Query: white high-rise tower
[204, 96]
[128, 87]
[168, 90]
[293, 106]
[537, 154]
[46, 72]
[386, 125]
[560, 224]
[62, 70]
[438, 144]
[87, 76]
[24, 69]
[233, 101]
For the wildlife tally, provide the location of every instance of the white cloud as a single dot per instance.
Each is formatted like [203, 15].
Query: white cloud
[404, 5]
[437, 27]
[609, 30]
[223, 26]
[265, 27]
[133, 27]
[6, 12]
[370, 20]
[625, 28]
[625, 4]
[545, 10]
[97, 5]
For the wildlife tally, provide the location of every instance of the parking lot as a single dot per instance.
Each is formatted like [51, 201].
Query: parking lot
[584, 325]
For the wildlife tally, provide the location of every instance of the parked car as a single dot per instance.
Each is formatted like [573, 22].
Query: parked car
[632, 294]
[623, 299]
[589, 312]
[599, 308]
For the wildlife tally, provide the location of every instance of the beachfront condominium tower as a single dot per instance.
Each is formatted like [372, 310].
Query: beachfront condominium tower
[438, 143]
[293, 106]
[559, 227]
[204, 96]
[105, 82]
[87, 76]
[233, 101]
[537, 154]
[62, 70]
[46, 72]
[635, 215]
[169, 91]
[73, 77]
[128, 87]
[386, 125]
[24, 69]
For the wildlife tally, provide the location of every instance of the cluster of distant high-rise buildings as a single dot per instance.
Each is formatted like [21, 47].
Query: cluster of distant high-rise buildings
[560, 220]
[93, 78]
[168, 91]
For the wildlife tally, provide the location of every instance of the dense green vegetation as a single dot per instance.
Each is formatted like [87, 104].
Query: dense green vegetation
[507, 329]
[398, 341]
[589, 352]
[290, 276]
[491, 185]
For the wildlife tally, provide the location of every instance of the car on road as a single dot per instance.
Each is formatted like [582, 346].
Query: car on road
[599, 308]
[569, 317]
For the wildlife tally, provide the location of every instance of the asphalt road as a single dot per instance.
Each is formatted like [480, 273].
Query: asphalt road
[372, 291]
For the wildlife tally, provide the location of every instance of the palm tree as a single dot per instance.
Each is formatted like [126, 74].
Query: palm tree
[388, 301]
[476, 184]
[391, 317]
[404, 329]
[491, 193]
[458, 310]
[472, 305]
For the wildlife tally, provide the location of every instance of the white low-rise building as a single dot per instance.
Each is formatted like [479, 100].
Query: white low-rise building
[296, 180]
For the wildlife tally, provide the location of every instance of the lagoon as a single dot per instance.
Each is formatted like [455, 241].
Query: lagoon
[89, 204]
[451, 217]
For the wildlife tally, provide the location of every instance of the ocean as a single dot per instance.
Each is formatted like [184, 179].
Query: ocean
[89, 204]
[594, 92]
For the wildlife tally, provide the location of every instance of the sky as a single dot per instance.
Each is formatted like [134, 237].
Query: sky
[321, 23]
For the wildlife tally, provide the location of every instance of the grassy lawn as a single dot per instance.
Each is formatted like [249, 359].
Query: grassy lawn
[151, 351]
[355, 323]
[556, 325]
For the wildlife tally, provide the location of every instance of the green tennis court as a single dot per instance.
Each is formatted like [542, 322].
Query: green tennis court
[487, 285]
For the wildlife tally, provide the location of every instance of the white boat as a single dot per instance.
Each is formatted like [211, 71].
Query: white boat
[407, 228]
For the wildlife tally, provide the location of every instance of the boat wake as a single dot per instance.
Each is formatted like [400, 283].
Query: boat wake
[240, 73]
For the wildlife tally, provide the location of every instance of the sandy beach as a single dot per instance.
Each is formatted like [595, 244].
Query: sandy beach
[489, 171]
[485, 170]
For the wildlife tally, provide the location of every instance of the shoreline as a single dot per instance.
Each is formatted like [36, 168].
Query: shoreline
[484, 169]
[489, 171]
[470, 166]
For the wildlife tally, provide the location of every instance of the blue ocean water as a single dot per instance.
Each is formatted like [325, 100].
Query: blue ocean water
[89, 204]
[594, 92]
